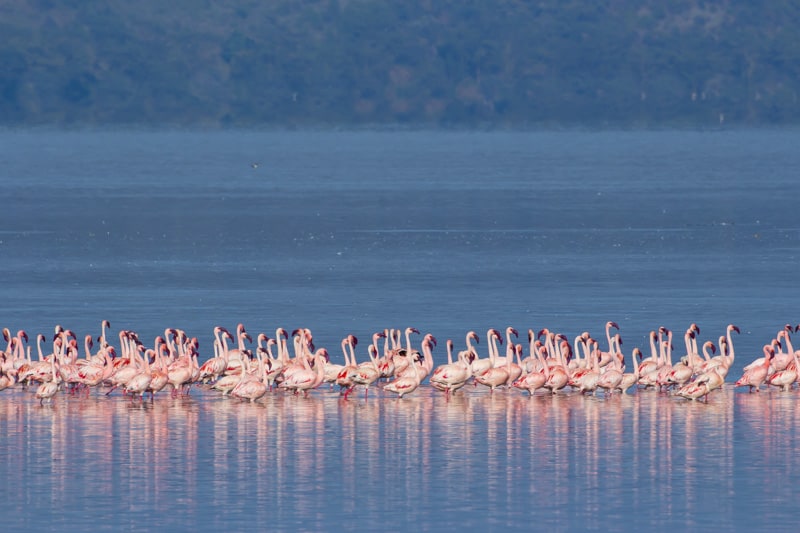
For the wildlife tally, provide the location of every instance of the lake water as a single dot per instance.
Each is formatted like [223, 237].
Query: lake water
[354, 232]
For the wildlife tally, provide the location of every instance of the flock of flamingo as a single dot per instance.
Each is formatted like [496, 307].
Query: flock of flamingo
[394, 364]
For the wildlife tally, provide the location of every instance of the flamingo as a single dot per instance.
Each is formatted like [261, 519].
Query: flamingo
[452, 376]
[587, 379]
[251, 387]
[478, 365]
[212, 369]
[703, 385]
[680, 374]
[307, 379]
[783, 359]
[632, 378]
[103, 342]
[692, 357]
[273, 366]
[534, 379]
[139, 383]
[345, 377]
[666, 349]
[556, 374]
[7, 380]
[48, 389]
[754, 377]
[610, 378]
[406, 384]
[605, 357]
[494, 376]
[367, 374]
[785, 378]
[160, 375]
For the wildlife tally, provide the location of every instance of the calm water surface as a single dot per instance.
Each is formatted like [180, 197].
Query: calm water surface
[353, 232]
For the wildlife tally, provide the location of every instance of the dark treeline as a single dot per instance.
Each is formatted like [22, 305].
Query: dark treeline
[435, 62]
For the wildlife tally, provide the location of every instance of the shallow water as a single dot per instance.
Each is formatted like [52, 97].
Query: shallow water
[499, 460]
[353, 232]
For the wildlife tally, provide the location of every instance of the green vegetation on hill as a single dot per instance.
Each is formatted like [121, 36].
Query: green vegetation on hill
[435, 62]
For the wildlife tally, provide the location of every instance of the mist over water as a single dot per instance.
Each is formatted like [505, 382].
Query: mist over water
[354, 232]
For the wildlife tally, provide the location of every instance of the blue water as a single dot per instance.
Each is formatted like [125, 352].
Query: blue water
[354, 232]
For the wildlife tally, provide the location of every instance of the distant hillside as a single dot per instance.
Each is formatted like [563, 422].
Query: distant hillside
[434, 62]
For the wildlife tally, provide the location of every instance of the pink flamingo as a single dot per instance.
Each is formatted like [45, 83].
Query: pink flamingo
[587, 380]
[139, 383]
[703, 385]
[494, 376]
[785, 378]
[251, 387]
[452, 376]
[536, 377]
[48, 389]
[213, 368]
[605, 357]
[345, 377]
[610, 378]
[754, 377]
[630, 379]
[305, 380]
[406, 384]
[514, 369]
[556, 373]
[368, 374]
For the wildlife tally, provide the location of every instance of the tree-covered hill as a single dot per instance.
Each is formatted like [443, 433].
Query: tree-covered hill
[433, 62]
